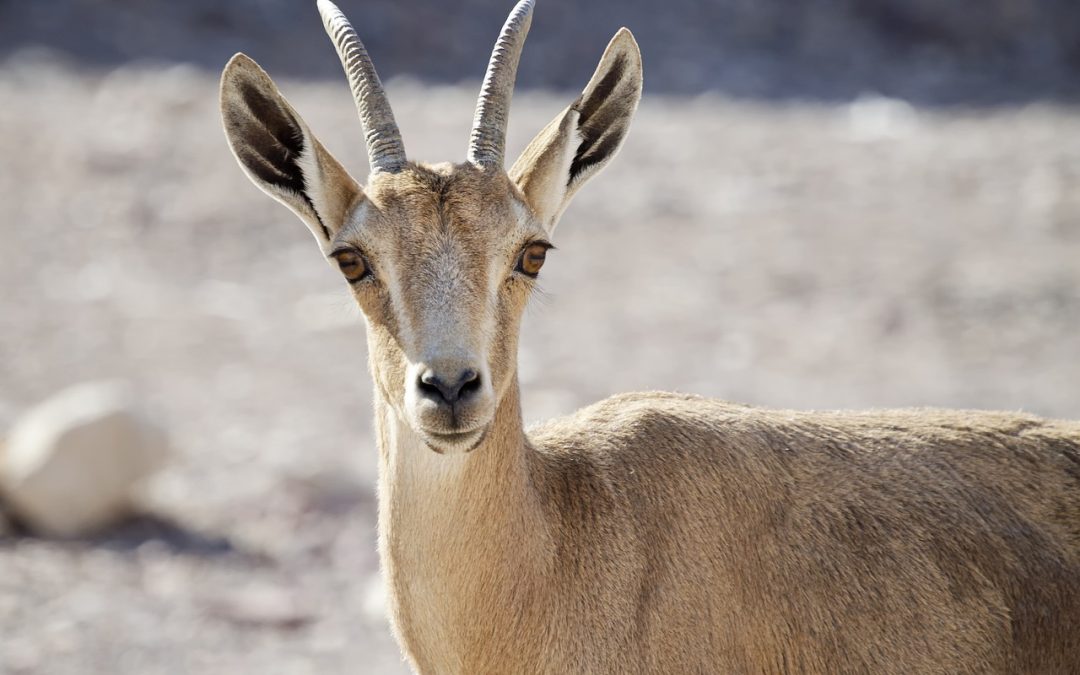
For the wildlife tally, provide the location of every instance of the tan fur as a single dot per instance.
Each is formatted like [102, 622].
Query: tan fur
[668, 533]
[657, 533]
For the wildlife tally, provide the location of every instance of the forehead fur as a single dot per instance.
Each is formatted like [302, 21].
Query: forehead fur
[446, 194]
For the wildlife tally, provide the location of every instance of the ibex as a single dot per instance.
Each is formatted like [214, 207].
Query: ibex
[653, 532]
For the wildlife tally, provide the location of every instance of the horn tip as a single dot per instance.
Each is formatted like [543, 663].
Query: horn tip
[326, 8]
[524, 7]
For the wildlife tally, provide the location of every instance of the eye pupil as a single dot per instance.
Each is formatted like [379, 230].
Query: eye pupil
[532, 259]
[352, 265]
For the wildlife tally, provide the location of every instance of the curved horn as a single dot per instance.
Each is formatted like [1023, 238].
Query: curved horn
[487, 143]
[386, 152]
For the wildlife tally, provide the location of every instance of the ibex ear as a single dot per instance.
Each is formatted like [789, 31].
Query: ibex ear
[279, 153]
[585, 136]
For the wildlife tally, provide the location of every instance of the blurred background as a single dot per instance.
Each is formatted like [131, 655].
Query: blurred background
[823, 204]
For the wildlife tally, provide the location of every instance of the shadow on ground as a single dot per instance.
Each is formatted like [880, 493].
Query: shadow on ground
[173, 537]
[164, 533]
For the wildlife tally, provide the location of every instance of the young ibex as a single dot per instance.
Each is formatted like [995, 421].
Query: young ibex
[658, 533]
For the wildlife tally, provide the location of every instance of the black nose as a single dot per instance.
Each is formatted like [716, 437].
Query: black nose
[449, 390]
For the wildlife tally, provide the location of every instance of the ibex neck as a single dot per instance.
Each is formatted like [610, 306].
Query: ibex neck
[460, 536]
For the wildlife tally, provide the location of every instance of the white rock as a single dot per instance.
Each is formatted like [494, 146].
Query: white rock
[70, 463]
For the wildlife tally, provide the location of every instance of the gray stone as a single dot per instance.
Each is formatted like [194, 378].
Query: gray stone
[69, 467]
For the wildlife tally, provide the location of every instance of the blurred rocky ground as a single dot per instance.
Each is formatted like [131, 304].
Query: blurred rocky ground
[982, 51]
[782, 244]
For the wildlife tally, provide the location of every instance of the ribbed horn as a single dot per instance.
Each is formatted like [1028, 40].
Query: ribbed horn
[487, 143]
[386, 152]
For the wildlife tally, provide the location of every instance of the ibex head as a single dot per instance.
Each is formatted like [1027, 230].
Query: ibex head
[441, 258]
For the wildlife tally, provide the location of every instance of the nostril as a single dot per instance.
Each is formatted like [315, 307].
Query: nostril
[431, 385]
[434, 387]
[470, 383]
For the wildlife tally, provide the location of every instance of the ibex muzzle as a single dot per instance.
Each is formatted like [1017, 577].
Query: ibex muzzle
[449, 397]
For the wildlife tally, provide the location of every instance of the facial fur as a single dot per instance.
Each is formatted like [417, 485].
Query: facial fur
[442, 243]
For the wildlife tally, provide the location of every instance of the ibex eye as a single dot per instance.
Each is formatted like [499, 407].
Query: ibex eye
[532, 258]
[352, 264]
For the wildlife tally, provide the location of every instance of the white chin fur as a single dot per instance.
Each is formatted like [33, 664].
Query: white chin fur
[457, 444]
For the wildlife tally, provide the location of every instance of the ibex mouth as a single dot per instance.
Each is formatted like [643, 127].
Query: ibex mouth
[456, 443]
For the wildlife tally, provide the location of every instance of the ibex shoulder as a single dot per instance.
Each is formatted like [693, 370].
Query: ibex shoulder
[642, 413]
[686, 433]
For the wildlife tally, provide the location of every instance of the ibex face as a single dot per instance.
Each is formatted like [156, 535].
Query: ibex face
[440, 258]
[449, 255]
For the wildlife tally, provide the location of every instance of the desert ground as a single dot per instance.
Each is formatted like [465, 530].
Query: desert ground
[798, 254]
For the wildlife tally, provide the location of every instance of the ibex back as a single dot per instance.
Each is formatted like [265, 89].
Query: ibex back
[650, 532]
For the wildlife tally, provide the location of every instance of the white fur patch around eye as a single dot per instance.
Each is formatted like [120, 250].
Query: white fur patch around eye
[522, 214]
[355, 221]
[392, 280]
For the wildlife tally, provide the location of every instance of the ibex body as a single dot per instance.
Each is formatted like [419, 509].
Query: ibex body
[649, 532]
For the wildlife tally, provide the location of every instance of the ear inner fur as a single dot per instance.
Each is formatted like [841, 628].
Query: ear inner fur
[601, 118]
[279, 153]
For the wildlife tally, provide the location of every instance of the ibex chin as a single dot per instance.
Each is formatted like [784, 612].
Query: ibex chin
[659, 533]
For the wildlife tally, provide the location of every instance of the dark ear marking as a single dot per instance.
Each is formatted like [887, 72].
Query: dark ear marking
[584, 138]
[272, 139]
[600, 113]
[273, 143]
[279, 153]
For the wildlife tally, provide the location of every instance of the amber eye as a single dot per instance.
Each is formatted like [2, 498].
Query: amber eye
[532, 258]
[351, 263]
